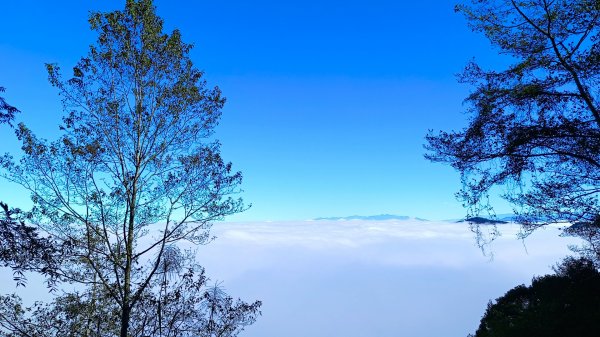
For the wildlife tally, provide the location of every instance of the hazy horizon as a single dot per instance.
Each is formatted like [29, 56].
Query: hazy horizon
[358, 278]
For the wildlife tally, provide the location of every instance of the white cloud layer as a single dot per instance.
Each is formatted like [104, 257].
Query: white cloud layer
[367, 278]
[372, 278]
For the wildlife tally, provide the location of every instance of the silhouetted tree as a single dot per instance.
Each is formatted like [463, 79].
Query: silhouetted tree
[224, 316]
[136, 170]
[564, 304]
[23, 249]
[7, 111]
[590, 233]
[181, 306]
[535, 125]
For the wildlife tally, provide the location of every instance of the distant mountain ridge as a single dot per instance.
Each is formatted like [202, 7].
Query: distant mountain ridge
[379, 217]
[481, 220]
[498, 219]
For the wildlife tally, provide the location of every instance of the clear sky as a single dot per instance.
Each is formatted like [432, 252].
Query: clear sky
[328, 101]
[328, 106]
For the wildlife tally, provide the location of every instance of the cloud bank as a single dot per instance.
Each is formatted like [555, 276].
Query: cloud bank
[358, 278]
[363, 278]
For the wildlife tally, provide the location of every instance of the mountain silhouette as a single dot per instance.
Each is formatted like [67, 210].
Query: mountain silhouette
[371, 217]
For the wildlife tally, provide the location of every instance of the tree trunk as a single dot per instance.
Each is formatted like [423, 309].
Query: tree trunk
[125, 320]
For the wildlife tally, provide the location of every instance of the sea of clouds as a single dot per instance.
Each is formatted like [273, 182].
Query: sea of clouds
[365, 278]
[359, 278]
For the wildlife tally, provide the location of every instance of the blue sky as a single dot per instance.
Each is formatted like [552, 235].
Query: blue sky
[328, 105]
[328, 102]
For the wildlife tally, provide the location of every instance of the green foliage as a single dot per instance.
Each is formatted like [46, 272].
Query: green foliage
[565, 304]
[535, 126]
[136, 170]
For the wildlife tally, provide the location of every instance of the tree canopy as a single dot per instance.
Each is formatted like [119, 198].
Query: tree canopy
[21, 246]
[7, 111]
[135, 174]
[182, 307]
[23, 249]
[564, 304]
[534, 129]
